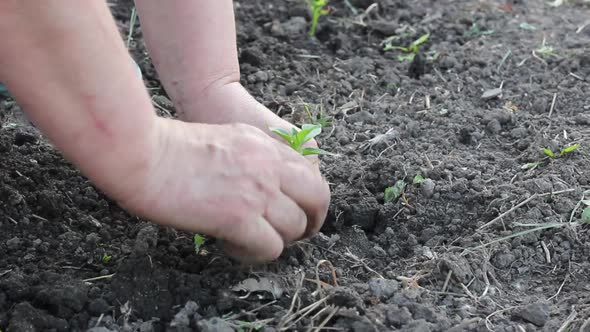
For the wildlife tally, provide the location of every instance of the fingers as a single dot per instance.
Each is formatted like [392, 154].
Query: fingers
[286, 217]
[253, 241]
[309, 191]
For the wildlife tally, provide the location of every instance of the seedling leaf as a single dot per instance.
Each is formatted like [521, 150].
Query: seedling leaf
[586, 215]
[569, 149]
[418, 42]
[393, 193]
[199, 241]
[526, 26]
[284, 134]
[531, 165]
[309, 131]
[314, 151]
[549, 153]
[418, 179]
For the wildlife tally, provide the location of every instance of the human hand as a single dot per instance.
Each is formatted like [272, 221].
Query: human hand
[232, 182]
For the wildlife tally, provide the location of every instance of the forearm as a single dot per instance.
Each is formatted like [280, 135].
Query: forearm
[67, 67]
[192, 45]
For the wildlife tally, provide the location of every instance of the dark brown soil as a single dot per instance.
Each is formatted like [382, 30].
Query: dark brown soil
[420, 263]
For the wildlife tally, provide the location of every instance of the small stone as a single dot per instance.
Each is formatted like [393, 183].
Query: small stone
[383, 288]
[182, 317]
[98, 307]
[398, 317]
[295, 26]
[494, 126]
[519, 132]
[386, 27]
[92, 238]
[503, 259]
[492, 93]
[427, 188]
[361, 117]
[253, 56]
[536, 313]
[13, 243]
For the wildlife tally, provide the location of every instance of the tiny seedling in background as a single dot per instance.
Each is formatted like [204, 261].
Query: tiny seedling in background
[318, 10]
[199, 241]
[106, 259]
[550, 155]
[418, 179]
[320, 119]
[298, 138]
[412, 50]
[475, 31]
[396, 191]
[545, 50]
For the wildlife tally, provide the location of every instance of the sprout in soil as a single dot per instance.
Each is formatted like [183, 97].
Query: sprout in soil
[317, 8]
[413, 49]
[106, 259]
[199, 241]
[550, 155]
[298, 138]
[393, 193]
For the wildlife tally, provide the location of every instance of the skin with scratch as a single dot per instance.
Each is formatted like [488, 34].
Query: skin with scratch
[67, 66]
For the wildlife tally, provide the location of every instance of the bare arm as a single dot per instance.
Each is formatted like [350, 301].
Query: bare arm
[192, 45]
[66, 64]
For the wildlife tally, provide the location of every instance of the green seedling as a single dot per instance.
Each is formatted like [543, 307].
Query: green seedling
[569, 149]
[475, 31]
[298, 138]
[545, 50]
[317, 8]
[418, 179]
[321, 119]
[199, 241]
[396, 191]
[106, 259]
[526, 26]
[550, 155]
[411, 50]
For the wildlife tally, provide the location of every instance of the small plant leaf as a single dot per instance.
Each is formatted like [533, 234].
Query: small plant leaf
[418, 179]
[406, 57]
[393, 193]
[586, 215]
[569, 149]
[309, 131]
[526, 26]
[418, 42]
[549, 153]
[283, 133]
[531, 165]
[199, 241]
[314, 151]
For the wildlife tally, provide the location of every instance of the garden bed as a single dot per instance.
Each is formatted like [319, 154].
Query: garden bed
[494, 85]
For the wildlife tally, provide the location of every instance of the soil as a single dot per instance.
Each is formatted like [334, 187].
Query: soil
[72, 260]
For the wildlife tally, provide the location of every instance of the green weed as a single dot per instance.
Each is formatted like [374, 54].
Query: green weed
[475, 31]
[418, 179]
[550, 155]
[320, 119]
[396, 191]
[318, 10]
[411, 50]
[298, 138]
[545, 50]
[198, 241]
[106, 259]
